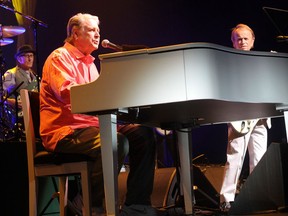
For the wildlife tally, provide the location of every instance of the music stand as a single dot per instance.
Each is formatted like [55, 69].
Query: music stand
[279, 19]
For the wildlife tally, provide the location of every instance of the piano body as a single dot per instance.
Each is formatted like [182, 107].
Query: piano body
[179, 87]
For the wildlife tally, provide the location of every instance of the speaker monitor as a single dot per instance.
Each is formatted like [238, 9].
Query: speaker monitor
[266, 187]
[205, 192]
[166, 190]
[214, 173]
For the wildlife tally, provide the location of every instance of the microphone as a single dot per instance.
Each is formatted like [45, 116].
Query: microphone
[107, 44]
[124, 47]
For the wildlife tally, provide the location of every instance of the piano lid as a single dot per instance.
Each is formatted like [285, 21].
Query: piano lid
[195, 45]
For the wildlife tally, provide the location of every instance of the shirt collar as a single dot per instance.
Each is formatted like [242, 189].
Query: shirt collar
[79, 55]
[21, 69]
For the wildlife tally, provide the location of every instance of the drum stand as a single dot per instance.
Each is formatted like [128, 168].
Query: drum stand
[16, 125]
[16, 130]
[3, 126]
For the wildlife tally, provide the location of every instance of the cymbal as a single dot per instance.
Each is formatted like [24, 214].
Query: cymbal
[11, 31]
[5, 41]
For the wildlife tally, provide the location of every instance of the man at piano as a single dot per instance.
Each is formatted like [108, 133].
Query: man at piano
[62, 131]
[251, 134]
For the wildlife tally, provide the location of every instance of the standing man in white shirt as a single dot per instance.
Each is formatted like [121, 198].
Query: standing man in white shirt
[255, 140]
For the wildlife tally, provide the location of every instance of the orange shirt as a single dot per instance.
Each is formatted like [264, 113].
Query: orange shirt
[65, 67]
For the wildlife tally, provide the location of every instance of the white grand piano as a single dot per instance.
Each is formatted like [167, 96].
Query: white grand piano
[178, 87]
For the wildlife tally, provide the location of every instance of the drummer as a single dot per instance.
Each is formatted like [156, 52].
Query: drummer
[20, 77]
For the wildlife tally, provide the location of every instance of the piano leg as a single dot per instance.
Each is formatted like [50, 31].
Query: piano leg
[186, 170]
[286, 123]
[108, 132]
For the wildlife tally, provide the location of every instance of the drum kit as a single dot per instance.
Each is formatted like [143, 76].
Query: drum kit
[9, 127]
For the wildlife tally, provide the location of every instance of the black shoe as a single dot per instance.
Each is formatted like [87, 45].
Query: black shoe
[138, 210]
[225, 207]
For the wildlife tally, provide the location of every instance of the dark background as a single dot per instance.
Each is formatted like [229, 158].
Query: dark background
[156, 22]
[152, 23]
[163, 22]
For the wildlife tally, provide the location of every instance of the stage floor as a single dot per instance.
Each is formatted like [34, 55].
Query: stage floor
[217, 213]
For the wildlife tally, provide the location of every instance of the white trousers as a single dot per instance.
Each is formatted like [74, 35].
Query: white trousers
[256, 142]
